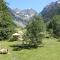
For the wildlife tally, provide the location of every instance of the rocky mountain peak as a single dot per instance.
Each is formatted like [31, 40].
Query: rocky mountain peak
[21, 17]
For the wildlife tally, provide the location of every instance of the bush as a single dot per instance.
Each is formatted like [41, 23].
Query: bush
[5, 34]
[13, 38]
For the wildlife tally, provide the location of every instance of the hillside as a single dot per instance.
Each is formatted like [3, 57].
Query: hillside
[50, 10]
[6, 22]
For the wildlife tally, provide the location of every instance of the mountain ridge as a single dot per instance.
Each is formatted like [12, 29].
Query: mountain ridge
[21, 17]
[50, 10]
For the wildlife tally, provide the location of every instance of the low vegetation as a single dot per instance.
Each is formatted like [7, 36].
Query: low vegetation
[50, 50]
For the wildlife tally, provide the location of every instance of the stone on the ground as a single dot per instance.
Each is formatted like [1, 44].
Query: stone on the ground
[3, 51]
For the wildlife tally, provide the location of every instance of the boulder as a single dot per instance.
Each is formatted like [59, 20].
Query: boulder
[3, 51]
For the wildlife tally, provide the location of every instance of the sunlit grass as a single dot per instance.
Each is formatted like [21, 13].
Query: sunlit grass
[49, 51]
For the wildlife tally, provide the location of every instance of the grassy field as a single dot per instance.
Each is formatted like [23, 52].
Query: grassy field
[49, 51]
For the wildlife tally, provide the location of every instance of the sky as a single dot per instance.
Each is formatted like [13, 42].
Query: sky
[37, 5]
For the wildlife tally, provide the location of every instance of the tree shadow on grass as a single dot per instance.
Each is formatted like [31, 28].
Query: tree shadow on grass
[25, 46]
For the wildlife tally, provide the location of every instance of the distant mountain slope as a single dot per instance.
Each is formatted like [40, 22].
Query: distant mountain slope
[21, 17]
[50, 10]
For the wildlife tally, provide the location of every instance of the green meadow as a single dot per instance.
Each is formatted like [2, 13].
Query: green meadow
[50, 50]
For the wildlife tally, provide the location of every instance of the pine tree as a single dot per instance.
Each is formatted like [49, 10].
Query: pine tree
[56, 25]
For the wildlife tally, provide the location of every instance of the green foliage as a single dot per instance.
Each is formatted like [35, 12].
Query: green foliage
[34, 31]
[49, 28]
[14, 38]
[6, 24]
[56, 25]
[5, 33]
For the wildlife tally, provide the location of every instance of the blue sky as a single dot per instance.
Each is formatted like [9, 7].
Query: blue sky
[37, 5]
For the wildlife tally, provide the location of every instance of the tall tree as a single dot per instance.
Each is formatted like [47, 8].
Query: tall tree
[34, 32]
[6, 24]
[56, 25]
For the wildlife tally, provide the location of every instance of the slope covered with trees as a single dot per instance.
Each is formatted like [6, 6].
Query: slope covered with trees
[6, 24]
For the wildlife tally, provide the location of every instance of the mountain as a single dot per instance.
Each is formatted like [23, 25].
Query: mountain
[50, 10]
[21, 17]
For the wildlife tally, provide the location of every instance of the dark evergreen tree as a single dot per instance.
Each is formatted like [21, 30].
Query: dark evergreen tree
[56, 25]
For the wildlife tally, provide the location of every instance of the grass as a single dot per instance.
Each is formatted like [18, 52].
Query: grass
[50, 51]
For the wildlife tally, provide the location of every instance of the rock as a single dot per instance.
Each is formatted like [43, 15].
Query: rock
[3, 51]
